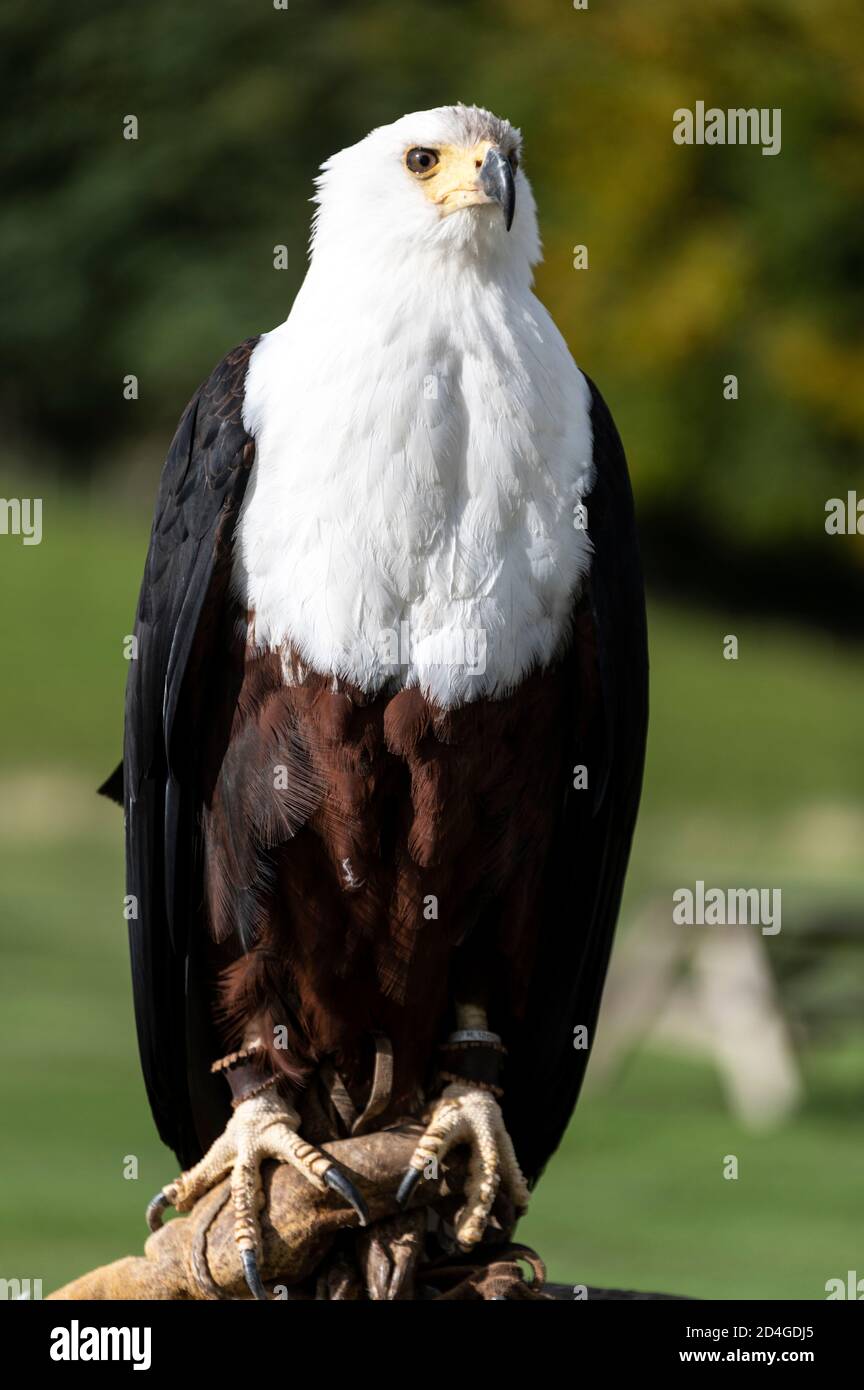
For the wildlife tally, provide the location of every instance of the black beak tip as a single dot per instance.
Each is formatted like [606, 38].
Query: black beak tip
[498, 183]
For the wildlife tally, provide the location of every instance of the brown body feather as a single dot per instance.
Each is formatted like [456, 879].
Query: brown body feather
[376, 858]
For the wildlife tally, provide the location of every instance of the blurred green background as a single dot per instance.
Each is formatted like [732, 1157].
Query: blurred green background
[155, 256]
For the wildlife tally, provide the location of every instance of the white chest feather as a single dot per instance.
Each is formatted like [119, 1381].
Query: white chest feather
[410, 517]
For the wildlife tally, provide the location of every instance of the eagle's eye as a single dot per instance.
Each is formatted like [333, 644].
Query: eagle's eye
[421, 161]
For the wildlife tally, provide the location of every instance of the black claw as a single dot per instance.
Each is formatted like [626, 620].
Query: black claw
[155, 1208]
[253, 1278]
[407, 1186]
[345, 1187]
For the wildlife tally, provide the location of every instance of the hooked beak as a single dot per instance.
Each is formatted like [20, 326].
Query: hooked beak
[497, 182]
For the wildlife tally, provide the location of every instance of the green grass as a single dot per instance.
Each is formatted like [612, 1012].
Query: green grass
[754, 774]
[72, 1097]
[68, 603]
[775, 728]
[636, 1198]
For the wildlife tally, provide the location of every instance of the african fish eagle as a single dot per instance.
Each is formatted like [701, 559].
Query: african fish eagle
[384, 735]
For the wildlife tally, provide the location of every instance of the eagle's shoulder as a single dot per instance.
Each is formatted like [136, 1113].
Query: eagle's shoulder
[222, 393]
[211, 454]
[607, 449]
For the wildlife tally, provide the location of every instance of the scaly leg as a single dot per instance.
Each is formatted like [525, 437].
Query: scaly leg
[263, 1126]
[467, 1112]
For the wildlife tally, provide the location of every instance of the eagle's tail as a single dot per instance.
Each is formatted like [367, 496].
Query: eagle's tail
[112, 787]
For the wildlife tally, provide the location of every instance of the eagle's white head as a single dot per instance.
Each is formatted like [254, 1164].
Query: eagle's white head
[442, 181]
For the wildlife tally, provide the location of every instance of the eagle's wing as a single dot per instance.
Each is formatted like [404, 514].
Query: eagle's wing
[608, 672]
[180, 611]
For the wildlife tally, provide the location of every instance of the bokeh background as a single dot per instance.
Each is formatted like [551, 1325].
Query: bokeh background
[153, 257]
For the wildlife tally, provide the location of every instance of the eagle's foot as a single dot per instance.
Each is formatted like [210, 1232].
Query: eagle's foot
[263, 1127]
[466, 1114]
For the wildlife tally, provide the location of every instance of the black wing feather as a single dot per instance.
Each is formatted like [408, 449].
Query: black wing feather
[186, 574]
[595, 826]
